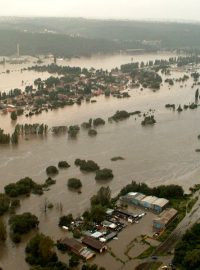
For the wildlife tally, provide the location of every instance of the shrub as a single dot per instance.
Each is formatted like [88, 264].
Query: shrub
[104, 174]
[73, 131]
[74, 261]
[3, 231]
[4, 203]
[86, 165]
[120, 115]
[39, 251]
[15, 237]
[13, 116]
[77, 234]
[23, 187]
[51, 170]
[23, 223]
[63, 164]
[49, 181]
[116, 158]
[98, 122]
[65, 220]
[148, 120]
[92, 132]
[74, 183]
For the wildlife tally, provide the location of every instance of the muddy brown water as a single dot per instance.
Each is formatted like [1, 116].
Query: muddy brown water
[162, 154]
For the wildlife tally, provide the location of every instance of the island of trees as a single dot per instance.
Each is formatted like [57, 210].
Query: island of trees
[86, 165]
[148, 120]
[104, 174]
[74, 183]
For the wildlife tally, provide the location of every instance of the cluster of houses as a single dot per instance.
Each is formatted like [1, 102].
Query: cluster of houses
[60, 93]
[95, 240]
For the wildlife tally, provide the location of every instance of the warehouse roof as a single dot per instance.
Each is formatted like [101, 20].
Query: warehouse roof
[161, 202]
[140, 196]
[167, 216]
[149, 199]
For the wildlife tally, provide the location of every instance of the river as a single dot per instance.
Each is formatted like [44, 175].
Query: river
[162, 154]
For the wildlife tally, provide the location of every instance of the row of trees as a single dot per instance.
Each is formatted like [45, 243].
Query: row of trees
[25, 129]
[53, 68]
[163, 191]
[161, 63]
[31, 129]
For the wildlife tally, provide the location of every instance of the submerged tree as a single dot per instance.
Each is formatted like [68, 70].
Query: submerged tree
[13, 116]
[3, 232]
[197, 95]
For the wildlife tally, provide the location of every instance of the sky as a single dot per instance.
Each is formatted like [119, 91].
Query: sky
[113, 9]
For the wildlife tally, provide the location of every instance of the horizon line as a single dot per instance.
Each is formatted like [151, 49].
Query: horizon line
[169, 20]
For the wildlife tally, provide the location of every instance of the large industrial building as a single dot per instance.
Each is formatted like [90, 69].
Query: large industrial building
[150, 202]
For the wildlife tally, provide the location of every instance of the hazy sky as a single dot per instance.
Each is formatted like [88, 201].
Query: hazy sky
[126, 9]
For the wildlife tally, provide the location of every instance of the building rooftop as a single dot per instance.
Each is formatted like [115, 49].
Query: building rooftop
[87, 254]
[73, 244]
[110, 236]
[97, 234]
[122, 212]
[149, 199]
[161, 202]
[78, 248]
[140, 196]
[167, 216]
[93, 243]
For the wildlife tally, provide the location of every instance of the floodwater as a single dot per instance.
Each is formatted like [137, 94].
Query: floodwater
[162, 154]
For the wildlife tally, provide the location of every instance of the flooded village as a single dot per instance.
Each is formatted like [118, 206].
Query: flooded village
[130, 226]
[99, 135]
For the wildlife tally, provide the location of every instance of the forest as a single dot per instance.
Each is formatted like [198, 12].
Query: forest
[83, 37]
